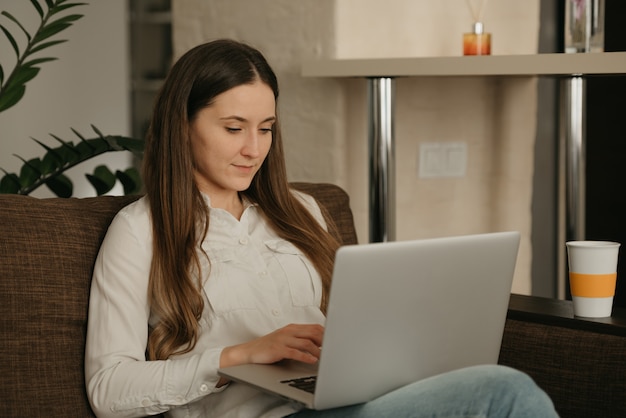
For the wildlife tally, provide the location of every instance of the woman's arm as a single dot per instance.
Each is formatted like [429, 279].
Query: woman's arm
[120, 381]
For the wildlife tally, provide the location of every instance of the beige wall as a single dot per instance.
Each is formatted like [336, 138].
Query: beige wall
[324, 120]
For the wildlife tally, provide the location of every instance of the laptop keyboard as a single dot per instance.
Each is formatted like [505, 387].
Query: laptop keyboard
[304, 383]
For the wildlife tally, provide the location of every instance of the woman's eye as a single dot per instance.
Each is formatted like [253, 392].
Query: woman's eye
[232, 130]
[266, 130]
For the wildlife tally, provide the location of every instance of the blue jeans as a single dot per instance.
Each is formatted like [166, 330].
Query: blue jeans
[477, 392]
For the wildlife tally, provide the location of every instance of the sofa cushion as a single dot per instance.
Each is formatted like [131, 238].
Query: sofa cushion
[47, 250]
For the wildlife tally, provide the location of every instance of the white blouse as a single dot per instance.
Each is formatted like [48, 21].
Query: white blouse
[256, 283]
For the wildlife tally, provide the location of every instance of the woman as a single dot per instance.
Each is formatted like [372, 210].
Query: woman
[222, 264]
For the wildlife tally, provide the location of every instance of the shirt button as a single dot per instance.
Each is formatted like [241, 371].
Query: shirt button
[180, 399]
[275, 312]
[146, 402]
[204, 388]
[263, 273]
[243, 241]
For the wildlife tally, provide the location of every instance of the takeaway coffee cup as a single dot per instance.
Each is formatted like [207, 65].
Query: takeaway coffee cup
[592, 276]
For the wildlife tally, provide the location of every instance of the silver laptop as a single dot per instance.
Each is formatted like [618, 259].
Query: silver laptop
[400, 312]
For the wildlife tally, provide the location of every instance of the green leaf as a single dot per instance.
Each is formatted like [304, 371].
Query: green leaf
[51, 161]
[47, 148]
[65, 144]
[44, 45]
[50, 4]
[10, 97]
[30, 172]
[11, 40]
[38, 7]
[96, 130]
[78, 134]
[67, 152]
[60, 185]
[22, 75]
[48, 31]
[65, 19]
[9, 183]
[67, 158]
[38, 61]
[100, 186]
[103, 180]
[1, 75]
[86, 150]
[136, 146]
[103, 172]
[60, 7]
[10, 16]
[130, 179]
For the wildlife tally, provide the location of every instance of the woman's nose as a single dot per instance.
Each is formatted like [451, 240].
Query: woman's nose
[251, 146]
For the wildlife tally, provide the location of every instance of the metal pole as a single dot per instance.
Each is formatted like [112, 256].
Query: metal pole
[574, 138]
[382, 217]
[575, 162]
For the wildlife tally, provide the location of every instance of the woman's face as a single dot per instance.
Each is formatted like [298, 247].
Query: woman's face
[231, 138]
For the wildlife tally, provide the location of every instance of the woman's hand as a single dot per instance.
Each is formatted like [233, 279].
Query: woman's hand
[299, 342]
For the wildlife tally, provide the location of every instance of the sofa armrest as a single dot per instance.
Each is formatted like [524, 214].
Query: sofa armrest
[579, 363]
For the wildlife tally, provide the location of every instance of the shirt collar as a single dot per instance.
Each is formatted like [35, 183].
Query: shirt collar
[246, 202]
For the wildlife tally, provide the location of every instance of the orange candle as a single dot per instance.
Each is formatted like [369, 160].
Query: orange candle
[477, 42]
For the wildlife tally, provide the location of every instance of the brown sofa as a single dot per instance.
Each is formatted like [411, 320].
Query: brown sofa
[47, 249]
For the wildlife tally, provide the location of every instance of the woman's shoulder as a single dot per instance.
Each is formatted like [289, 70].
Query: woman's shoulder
[303, 197]
[307, 200]
[136, 213]
[138, 208]
[130, 229]
[311, 205]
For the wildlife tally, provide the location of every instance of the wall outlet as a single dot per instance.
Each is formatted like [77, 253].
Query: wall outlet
[442, 159]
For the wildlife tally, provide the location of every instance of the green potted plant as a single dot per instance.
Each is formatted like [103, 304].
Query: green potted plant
[49, 170]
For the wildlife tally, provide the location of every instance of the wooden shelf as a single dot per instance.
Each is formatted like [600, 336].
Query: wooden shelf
[464, 66]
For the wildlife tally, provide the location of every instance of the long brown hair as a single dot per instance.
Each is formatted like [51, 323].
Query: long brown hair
[180, 217]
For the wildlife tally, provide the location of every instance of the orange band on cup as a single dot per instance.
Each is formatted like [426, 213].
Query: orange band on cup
[592, 285]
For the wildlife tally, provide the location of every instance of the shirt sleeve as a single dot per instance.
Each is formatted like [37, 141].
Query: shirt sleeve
[119, 379]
